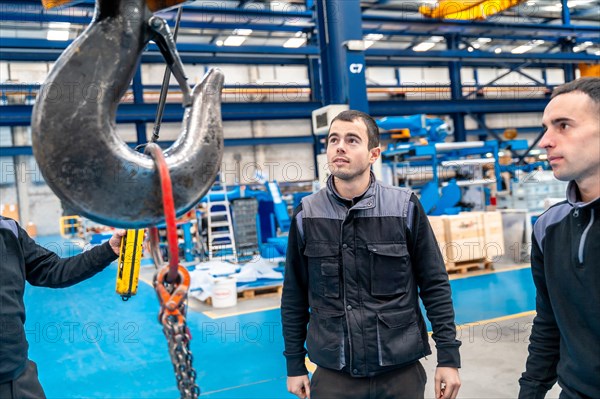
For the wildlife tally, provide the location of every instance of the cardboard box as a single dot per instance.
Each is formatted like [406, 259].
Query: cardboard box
[464, 237]
[439, 230]
[10, 211]
[493, 233]
[31, 229]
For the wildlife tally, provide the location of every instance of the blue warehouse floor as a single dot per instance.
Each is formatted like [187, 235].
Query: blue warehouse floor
[89, 343]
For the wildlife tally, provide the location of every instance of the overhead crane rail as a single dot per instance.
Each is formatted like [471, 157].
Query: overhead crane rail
[26, 92]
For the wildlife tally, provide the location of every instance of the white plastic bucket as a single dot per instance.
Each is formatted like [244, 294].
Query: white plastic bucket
[224, 292]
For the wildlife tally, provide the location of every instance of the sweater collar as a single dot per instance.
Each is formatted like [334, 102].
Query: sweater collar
[573, 196]
[367, 194]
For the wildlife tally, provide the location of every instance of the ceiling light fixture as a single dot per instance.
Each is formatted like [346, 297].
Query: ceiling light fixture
[234, 41]
[521, 49]
[294, 42]
[371, 38]
[58, 35]
[425, 46]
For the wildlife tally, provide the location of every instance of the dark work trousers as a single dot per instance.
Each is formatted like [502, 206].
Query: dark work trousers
[404, 383]
[26, 386]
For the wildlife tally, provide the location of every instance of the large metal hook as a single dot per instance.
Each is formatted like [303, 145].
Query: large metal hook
[74, 137]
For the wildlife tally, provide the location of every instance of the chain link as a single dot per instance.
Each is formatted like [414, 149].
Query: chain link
[178, 340]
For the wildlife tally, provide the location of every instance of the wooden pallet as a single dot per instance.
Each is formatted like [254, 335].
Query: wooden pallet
[254, 292]
[469, 266]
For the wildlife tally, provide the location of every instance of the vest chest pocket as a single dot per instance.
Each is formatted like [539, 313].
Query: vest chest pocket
[389, 264]
[323, 268]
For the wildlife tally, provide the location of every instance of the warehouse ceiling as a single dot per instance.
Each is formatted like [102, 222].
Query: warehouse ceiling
[387, 24]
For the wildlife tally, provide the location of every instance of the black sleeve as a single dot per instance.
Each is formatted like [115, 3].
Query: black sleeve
[45, 268]
[434, 287]
[294, 301]
[544, 343]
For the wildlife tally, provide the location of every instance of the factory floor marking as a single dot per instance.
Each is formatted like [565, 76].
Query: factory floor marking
[214, 315]
[487, 272]
[497, 319]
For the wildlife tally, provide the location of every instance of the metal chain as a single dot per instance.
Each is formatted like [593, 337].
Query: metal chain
[178, 340]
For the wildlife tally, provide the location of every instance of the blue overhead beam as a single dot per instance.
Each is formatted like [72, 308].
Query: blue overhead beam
[20, 43]
[49, 55]
[386, 108]
[27, 150]
[412, 59]
[31, 89]
[22, 49]
[185, 22]
[258, 13]
[253, 11]
[459, 26]
[428, 62]
[20, 115]
[452, 55]
[15, 151]
[470, 35]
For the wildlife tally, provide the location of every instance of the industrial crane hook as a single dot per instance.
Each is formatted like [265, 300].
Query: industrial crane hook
[74, 137]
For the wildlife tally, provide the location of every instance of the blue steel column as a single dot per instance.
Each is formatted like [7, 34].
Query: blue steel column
[316, 94]
[314, 77]
[342, 70]
[565, 13]
[567, 45]
[481, 125]
[460, 133]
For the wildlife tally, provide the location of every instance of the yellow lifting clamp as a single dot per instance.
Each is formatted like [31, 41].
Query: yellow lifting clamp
[130, 258]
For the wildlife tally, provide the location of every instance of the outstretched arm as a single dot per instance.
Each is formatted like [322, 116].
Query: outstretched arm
[46, 268]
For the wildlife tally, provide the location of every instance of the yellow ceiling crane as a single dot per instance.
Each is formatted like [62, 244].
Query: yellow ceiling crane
[467, 10]
[153, 5]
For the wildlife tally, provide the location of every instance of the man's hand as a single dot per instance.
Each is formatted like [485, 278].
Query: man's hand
[115, 240]
[447, 383]
[299, 386]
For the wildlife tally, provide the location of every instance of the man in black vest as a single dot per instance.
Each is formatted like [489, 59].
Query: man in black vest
[359, 255]
[21, 259]
[564, 342]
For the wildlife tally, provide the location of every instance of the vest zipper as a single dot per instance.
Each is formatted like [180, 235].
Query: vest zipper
[350, 365]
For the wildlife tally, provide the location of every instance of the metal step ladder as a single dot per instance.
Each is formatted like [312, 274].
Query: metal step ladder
[221, 240]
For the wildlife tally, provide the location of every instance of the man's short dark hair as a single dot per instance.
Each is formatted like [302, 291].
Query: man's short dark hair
[589, 86]
[372, 128]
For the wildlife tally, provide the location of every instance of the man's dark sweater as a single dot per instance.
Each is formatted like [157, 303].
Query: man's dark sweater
[564, 343]
[21, 259]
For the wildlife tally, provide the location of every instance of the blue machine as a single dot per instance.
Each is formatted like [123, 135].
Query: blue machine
[272, 214]
[433, 155]
[278, 216]
[435, 130]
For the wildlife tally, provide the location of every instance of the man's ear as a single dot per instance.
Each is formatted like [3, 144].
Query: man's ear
[374, 154]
